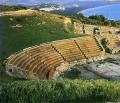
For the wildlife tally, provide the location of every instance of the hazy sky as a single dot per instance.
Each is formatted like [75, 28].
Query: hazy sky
[39, 1]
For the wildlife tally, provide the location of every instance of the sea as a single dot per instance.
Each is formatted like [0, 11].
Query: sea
[111, 12]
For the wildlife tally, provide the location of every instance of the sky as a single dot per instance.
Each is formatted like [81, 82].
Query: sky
[50, 1]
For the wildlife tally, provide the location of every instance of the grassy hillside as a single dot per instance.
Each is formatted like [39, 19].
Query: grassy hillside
[28, 30]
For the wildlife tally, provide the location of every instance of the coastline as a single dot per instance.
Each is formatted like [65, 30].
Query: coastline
[97, 10]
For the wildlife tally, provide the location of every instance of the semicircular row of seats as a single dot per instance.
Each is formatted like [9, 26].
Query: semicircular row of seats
[41, 62]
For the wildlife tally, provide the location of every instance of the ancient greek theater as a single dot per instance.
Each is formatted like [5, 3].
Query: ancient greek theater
[48, 60]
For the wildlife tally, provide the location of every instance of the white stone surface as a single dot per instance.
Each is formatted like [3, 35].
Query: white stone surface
[106, 69]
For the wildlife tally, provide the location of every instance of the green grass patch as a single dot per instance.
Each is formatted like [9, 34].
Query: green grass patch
[34, 31]
[59, 91]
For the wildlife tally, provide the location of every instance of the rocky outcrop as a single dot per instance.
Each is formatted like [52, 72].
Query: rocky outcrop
[110, 42]
[67, 24]
[106, 69]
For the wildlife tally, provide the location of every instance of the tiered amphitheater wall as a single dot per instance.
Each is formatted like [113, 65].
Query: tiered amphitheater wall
[56, 60]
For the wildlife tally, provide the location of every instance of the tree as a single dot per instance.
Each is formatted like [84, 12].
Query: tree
[107, 22]
[80, 16]
[98, 17]
[113, 23]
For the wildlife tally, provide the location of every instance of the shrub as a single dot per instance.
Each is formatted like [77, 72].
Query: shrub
[96, 20]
